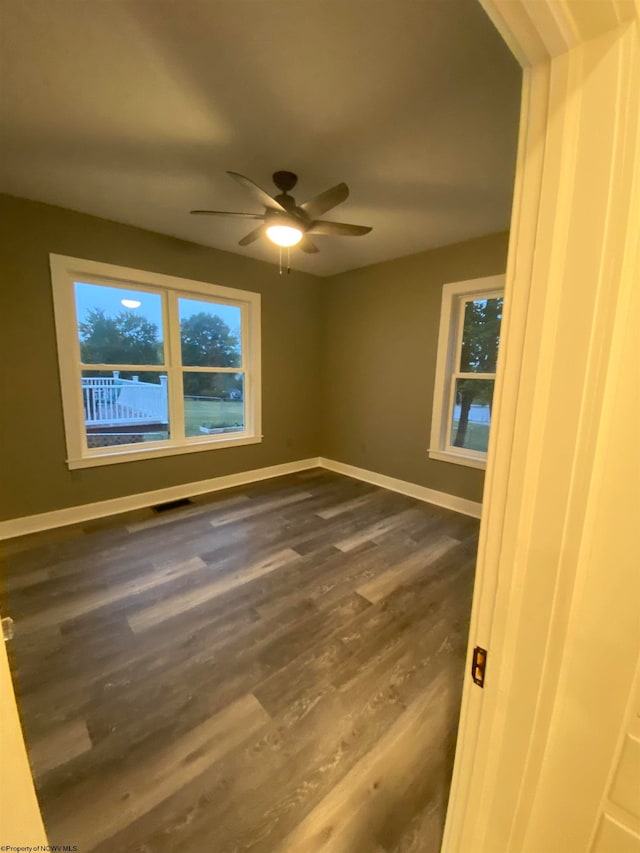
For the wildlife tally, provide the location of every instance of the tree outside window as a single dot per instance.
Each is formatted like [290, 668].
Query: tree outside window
[479, 354]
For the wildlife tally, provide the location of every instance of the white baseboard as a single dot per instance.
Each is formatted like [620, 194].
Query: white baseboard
[421, 493]
[87, 512]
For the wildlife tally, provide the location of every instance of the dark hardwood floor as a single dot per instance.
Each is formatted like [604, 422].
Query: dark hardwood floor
[276, 667]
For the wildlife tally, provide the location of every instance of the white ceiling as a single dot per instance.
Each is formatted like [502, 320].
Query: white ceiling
[134, 109]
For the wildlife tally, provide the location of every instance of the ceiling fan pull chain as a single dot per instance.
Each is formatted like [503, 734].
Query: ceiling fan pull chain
[280, 267]
[288, 260]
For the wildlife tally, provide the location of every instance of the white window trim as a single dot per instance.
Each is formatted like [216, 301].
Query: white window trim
[449, 333]
[65, 271]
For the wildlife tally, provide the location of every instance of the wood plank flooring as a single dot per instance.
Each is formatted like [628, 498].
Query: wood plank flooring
[277, 667]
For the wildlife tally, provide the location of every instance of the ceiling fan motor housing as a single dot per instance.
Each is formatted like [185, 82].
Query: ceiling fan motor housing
[293, 216]
[287, 201]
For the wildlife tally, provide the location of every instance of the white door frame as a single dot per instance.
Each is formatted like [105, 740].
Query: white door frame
[572, 268]
[20, 818]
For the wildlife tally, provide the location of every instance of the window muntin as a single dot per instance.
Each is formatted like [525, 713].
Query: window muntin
[480, 334]
[153, 365]
[468, 346]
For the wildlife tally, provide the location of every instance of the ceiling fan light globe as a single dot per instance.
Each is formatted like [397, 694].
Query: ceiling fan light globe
[284, 235]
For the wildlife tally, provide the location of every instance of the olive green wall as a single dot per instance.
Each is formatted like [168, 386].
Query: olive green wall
[380, 343]
[347, 362]
[33, 475]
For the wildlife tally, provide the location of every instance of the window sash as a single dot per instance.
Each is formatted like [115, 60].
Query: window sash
[461, 305]
[454, 448]
[173, 367]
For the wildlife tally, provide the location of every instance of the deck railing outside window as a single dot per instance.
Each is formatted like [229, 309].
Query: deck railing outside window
[112, 401]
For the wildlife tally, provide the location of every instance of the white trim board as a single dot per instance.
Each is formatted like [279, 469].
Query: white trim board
[404, 487]
[87, 512]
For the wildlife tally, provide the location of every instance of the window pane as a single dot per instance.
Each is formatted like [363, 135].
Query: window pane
[213, 403]
[124, 408]
[481, 335]
[118, 326]
[210, 334]
[472, 414]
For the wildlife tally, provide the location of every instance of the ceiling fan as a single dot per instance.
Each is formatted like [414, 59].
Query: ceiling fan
[286, 223]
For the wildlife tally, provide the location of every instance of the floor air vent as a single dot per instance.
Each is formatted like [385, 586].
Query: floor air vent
[172, 505]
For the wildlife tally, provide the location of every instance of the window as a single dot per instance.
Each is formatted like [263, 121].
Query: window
[153, 365]
[468, 344]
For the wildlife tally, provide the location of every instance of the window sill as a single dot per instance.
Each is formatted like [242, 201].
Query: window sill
[458, 459]
[138, 454]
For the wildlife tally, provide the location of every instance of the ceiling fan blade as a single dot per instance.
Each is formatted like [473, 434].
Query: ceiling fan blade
[343, 229]
[227, 213]
[252, 236]
[308, 246]
[263, 197]
[325, 201]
